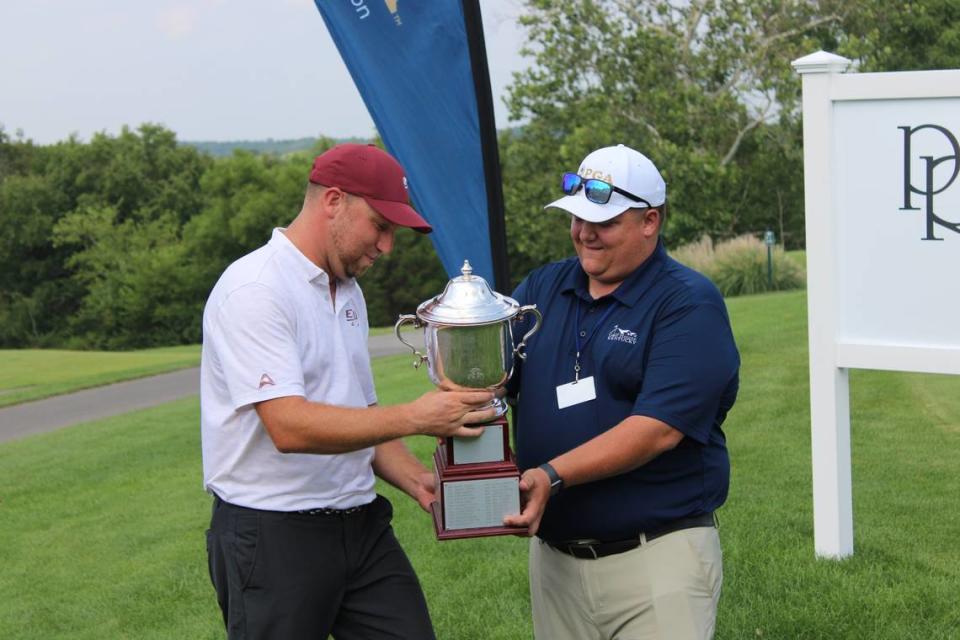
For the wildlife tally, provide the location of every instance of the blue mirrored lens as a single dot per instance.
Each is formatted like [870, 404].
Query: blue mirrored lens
[570, 183]
[597, 191]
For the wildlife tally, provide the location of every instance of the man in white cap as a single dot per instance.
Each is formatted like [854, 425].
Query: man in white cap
[620, 403]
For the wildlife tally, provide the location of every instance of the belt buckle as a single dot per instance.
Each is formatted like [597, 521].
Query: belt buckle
[589, 546]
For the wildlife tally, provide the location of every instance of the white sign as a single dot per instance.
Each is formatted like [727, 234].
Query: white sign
[898, 229]
[882, 197]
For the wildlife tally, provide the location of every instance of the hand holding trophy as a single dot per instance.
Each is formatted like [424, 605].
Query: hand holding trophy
[468, 338]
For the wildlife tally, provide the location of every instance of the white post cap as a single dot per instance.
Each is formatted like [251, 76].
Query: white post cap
[821, 62]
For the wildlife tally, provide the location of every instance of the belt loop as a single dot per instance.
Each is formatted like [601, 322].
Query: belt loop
[643, 538]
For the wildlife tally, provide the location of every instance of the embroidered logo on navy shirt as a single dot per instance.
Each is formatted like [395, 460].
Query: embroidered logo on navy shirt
[622, 335]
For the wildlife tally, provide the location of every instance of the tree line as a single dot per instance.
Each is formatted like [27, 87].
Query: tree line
[115, 243]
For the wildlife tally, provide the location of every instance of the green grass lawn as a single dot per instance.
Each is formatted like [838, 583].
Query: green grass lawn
[31, 374]
[101, 525]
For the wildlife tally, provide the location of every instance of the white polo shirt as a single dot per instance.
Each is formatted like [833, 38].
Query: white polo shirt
[270, 330]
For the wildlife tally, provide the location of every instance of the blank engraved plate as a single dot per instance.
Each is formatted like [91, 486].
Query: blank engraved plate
[487, 447]
[473, 504]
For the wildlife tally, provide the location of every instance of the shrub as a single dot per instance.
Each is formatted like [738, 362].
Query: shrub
[739, 266]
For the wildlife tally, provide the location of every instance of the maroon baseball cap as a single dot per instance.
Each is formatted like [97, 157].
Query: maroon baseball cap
[374, 175]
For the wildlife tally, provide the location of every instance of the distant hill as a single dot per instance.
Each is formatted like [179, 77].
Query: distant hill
[266, 147]
[277, 147]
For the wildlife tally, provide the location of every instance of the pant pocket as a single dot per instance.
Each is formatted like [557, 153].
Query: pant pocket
[210, 552]
[217, 568]
[246, 543]
[704, 546]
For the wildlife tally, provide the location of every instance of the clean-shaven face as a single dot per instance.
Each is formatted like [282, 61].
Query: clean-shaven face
[610, 251]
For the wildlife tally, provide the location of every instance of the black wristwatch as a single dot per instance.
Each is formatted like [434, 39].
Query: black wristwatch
[556, 482]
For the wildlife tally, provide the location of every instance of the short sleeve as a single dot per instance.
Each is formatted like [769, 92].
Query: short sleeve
[692, 363]
[254, 336]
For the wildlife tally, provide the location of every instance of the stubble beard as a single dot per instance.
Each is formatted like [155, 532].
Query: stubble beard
[352, 265]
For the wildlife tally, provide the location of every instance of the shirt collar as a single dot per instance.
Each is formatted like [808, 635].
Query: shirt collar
[295, 259]
[633, 286]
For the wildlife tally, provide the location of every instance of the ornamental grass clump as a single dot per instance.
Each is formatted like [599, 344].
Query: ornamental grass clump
[739, 266]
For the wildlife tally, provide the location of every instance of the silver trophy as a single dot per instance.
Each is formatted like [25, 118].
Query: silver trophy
[468, 335]
[468, 339]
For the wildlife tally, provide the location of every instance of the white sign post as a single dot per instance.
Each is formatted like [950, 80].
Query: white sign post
[882, 198]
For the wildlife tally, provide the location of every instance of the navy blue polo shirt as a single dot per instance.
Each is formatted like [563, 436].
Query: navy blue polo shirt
[661, 347]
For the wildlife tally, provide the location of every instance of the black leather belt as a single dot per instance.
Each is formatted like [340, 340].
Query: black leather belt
[593, 549]
[332, 512]
[323, 511]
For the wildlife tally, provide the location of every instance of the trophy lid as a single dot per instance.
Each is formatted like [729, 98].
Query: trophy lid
[467, 300]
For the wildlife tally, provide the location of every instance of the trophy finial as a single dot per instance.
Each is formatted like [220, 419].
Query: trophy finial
[466, 269]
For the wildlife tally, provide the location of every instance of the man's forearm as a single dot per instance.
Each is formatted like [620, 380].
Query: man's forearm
[299, 426]
[394, 463]
[632, 443]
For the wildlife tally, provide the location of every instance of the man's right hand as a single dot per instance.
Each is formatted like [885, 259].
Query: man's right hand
[534, 494]
[444, 413]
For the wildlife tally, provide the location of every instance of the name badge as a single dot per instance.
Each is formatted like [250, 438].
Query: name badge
[576, 392]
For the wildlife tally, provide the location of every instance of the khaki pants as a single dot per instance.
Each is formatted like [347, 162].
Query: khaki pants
[667, 589]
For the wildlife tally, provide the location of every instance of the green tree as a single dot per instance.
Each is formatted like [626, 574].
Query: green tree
[703, 87]
[35, 291]
[903, 36]
[691, 84]
[137, 292]
[49, 288]
[16, 156]
[244, 197]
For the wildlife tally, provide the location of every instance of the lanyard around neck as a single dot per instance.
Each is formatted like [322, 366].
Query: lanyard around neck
[581, 345]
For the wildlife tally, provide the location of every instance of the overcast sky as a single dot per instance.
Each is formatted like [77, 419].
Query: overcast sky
[207, 69]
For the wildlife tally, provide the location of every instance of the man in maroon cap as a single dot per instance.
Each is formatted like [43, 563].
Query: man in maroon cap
[299, 543]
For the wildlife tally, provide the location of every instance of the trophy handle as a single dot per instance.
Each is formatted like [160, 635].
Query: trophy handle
[405, 318]
[529, 308]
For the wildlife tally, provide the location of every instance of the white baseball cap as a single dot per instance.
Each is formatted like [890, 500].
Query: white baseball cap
[624, 168]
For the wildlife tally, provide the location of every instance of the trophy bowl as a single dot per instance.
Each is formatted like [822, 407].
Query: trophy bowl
[468, 335]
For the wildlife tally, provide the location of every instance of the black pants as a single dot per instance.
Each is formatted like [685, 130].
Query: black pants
[289, 576]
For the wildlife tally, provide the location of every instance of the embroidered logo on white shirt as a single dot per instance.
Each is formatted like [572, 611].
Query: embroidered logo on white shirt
[352, 316]
[265, 381]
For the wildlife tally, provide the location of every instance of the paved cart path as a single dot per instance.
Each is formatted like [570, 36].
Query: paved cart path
[40, 416]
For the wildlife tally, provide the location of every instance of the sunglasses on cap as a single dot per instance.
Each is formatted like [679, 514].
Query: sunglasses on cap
[597, 191]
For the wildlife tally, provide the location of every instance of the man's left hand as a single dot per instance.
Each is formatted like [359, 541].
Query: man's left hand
[425, 491]
[534, 494]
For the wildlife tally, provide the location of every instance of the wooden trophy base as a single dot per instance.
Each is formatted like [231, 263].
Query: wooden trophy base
[474, 496]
